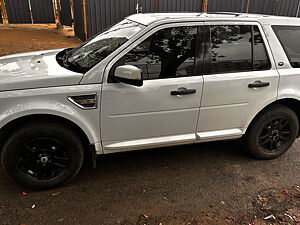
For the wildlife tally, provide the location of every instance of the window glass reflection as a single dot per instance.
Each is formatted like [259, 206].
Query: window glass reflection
[167, 53]
[230, 49]
[261, 60]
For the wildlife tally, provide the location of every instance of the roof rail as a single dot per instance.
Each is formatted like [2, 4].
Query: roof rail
[226, 13]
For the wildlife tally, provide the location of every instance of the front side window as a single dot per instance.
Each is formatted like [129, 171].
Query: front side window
[236, 49]
[168, 53]
[289, 37]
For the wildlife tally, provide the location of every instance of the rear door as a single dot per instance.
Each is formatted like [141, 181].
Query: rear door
[240, 78]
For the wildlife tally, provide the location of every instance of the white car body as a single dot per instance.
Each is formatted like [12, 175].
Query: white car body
[129, 117]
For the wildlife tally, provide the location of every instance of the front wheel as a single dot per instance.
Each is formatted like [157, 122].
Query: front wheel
[272, 132]
[42, 155]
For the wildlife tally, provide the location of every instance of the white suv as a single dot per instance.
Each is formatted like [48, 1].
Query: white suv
[151, 80]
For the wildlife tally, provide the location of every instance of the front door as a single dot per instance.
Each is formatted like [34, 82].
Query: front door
[154, 115]
[240, 78]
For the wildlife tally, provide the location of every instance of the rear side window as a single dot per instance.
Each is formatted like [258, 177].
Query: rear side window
[289, 37]
[236, 49]
[260, 56]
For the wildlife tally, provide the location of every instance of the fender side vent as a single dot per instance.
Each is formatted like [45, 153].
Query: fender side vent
[84, 101]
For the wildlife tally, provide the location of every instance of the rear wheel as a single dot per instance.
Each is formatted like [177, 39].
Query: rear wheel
[42, 155]
[273, 132]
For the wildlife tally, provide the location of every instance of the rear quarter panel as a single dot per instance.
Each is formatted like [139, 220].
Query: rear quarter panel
[289, 85]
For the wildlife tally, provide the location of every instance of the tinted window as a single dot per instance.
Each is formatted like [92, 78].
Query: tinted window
[289, 37]
[234, 50]
[230, 48]
[260, 55]
[167, 53]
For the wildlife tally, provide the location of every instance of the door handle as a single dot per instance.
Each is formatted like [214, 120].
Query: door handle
[258, 84]
[183, 91]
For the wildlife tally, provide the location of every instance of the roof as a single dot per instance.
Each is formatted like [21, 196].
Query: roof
[149, 18]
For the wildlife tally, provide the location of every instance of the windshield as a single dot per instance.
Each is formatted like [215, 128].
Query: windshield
[88, 54]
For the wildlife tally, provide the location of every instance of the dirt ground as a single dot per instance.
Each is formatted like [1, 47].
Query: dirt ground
[26, 38]
[211, 183]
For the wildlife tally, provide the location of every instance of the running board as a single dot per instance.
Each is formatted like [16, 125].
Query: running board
[219, 134]
[150, 142]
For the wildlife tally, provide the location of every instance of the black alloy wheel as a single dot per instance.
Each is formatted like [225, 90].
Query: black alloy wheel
[42, 159]
[42, 154]
[275, 133]
[272, 132]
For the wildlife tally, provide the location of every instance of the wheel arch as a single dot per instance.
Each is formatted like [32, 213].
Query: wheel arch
[9, 127]
[292, 103]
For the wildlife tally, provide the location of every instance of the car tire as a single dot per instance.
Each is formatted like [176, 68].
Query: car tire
[272, 132]
[42, 155]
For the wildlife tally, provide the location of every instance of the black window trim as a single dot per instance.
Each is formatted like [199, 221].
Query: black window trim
[198, 62]
[203, 48]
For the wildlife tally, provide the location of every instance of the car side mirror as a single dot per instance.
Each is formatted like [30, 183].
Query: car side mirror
[129, 74]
